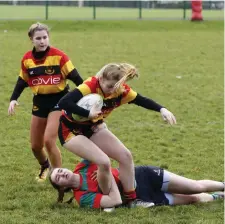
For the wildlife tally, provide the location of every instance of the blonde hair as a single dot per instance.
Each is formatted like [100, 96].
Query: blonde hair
[122, 72]
[37, 27]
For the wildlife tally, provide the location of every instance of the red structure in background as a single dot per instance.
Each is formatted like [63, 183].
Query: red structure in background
[196, 10]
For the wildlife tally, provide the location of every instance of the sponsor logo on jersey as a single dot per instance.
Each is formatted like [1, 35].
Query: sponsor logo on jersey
[45, 80]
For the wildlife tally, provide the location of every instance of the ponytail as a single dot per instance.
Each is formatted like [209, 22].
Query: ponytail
[121, 72]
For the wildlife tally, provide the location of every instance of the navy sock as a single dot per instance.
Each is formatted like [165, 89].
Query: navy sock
[45, 164]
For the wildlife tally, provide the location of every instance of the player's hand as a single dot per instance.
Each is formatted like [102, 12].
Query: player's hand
[12, 105]
[94, 112]
[168, 116]
[94, 176]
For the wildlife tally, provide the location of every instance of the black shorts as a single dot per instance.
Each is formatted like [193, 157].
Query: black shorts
[149, 181]
[68, 129]
[45, 104]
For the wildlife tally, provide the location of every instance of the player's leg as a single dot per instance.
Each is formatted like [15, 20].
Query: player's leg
[182, 199]
[115, 149]
[37, 130]
[50, 137]
[182, 185]
[86, 149]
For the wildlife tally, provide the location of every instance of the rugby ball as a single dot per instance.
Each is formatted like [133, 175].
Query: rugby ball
[87, 102]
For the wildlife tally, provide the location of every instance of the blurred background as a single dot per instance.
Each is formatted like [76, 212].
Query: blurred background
[86, 10]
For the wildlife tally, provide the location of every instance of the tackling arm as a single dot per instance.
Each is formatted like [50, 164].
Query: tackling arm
[113, 199]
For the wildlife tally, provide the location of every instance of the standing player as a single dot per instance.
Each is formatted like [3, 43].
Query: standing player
[92, 140]
[45, 70]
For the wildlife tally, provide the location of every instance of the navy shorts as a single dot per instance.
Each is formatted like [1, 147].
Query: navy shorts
[45, 104]
[68, 129]
[149, 181]
[43, 111]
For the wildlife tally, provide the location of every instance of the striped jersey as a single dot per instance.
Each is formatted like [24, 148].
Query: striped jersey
[91, 85]
[46, 75]
[88, 193]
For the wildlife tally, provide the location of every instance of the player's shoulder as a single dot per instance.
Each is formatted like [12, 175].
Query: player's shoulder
[126, 89]
[92, 83]
[55, 51]
[91, 80]
[27, 55]
[83, 164]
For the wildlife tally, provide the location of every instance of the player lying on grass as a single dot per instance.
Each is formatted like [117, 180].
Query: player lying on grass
[153, 185]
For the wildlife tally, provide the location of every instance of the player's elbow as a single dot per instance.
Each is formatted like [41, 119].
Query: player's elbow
[107, 202]
[118, 201]
[63, 105]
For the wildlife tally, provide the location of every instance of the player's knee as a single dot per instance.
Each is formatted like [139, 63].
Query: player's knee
[49, 142]
[36, 147]
[118, 201]
[105, 164]
[198, 187]
[126, 157]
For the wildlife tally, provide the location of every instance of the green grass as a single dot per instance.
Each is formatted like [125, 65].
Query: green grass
[62, 12]
[162, 51]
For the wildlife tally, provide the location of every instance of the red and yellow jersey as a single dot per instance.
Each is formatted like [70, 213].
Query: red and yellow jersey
[91, 85]
[88, 194]
[48, 75]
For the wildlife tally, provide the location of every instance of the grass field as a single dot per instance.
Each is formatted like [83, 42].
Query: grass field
[181, 66]
[54, 12]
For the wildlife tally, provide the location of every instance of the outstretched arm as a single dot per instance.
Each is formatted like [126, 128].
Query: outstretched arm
[152, 105]
[146, 103]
